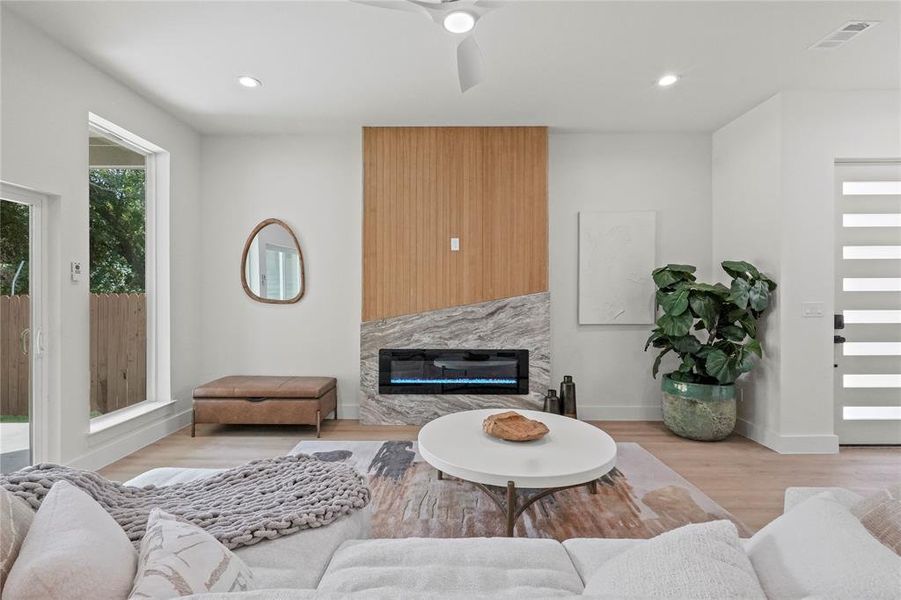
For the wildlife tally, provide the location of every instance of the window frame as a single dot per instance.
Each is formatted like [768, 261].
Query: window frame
[156, 272]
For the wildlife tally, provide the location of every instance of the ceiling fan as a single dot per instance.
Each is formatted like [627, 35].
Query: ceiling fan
[457, 17]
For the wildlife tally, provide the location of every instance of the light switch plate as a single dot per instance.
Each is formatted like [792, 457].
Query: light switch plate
[455, 244]
[813, 310]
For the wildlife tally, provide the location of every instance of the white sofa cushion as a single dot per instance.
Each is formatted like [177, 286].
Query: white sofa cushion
[820, 549]
[15, 520]
[588, 554]
[295, 561]
[179, 558]
[73, 550]
[700, 561]
[499, 567]
[796, 495]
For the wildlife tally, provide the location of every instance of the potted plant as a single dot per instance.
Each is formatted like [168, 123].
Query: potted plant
[713, 331]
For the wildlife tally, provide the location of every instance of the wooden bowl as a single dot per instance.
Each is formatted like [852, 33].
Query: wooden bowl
[514, 427]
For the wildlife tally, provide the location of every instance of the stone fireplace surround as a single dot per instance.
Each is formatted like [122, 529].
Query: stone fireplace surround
[517, 322]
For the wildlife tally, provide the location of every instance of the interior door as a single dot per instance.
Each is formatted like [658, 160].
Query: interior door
[868, 303]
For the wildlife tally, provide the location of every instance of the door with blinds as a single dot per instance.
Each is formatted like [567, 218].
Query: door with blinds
[868, 303]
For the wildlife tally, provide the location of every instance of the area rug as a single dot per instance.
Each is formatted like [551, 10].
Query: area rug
[640, 498]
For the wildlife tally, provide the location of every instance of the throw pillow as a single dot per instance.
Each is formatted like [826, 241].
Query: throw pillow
[820, 549]
[881, 515]
[179, 559]
[15, 519]
[701, 561]
[73, 550]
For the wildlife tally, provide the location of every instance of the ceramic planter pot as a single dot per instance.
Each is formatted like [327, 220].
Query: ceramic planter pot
[698, 411]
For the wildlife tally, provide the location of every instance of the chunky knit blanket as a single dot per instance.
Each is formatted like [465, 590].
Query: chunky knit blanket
[261, 500]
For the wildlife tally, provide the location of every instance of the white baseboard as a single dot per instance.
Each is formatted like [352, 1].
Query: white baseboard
[620, 413]
[788, 444]
[131, 441]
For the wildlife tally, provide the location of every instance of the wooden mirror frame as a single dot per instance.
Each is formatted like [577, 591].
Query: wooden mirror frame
[303, 277]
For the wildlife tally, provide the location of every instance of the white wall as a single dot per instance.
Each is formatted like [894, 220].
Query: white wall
[314, 184]
[47, 93]
[814, 129]
[669, 174]
[747, 163]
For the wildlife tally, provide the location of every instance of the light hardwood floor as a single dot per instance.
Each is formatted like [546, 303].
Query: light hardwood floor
[745, 478]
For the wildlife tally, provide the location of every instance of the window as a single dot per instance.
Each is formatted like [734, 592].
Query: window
[127, 184]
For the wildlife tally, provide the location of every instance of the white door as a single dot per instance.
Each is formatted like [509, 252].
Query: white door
[868, 303]
[22, 318]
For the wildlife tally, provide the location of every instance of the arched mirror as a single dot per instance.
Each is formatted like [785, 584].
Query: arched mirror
[272, 264]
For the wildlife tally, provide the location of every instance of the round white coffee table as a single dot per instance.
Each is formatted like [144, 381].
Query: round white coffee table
[573, 453]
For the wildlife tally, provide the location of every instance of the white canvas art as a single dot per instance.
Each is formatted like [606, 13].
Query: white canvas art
[616, 257]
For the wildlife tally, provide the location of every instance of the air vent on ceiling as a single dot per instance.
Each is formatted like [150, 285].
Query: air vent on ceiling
[844, 34]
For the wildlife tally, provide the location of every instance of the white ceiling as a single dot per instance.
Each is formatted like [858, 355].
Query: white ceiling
[573, 65]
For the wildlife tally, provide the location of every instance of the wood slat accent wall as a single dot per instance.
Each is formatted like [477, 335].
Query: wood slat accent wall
[424, 185]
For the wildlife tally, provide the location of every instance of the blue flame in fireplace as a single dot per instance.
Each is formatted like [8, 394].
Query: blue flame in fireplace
[466, 380]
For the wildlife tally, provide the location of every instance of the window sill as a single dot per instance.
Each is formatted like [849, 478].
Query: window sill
[104, 422]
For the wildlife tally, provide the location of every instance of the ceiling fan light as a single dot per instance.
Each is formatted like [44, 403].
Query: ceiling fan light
[459, 21]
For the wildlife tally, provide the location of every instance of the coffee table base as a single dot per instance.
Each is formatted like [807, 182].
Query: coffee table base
[509, 504]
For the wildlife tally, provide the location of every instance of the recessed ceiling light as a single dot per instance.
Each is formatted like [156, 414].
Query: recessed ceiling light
[250, 82]
[459, 22]
[667, 80]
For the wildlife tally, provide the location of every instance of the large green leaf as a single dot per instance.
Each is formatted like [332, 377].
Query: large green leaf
[759, 295]
[738, 293]
[675, 325]
[675, 302]
[732, 332]
[722, 366]
[718, 288]
[680, 268]
[656, 368]
[664, 278]
[705, 307]
[739, 268]
[653, 338]
[755, 347]
[688, 363]
[749, 324]
[687, 344]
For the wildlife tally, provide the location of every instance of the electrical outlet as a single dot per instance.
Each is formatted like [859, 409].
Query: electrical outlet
[813, 310]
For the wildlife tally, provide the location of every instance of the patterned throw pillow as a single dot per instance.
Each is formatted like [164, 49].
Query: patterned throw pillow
[179, 559]
[15, 519]
[881, 515]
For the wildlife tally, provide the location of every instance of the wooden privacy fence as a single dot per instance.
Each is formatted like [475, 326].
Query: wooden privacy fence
[118, 360]
[118, 351]
[15, 315]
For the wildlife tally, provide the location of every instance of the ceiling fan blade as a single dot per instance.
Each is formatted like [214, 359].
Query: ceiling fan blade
[401, 5]
[470, 68]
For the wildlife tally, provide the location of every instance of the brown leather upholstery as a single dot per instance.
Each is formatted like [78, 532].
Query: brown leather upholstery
[253, 386]
[254, 400]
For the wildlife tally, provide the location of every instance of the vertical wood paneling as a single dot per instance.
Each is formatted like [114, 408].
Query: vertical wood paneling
[424, 185]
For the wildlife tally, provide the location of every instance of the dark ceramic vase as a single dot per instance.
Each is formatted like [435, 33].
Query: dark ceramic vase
[568, 396]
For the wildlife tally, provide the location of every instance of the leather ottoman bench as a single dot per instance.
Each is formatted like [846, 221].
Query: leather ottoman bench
[265, 400]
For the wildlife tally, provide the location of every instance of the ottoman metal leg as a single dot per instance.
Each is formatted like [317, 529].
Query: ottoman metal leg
[318, 423]
[193, 422]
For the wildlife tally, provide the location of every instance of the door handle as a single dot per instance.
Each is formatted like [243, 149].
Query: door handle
[23, 341]
[838, 339]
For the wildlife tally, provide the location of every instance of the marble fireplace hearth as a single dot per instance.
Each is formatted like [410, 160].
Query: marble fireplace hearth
[518, 322]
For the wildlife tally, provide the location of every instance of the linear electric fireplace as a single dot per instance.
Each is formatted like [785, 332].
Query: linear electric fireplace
[416, 371]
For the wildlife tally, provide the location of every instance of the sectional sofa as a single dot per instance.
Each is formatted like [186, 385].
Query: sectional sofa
[816, 549]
